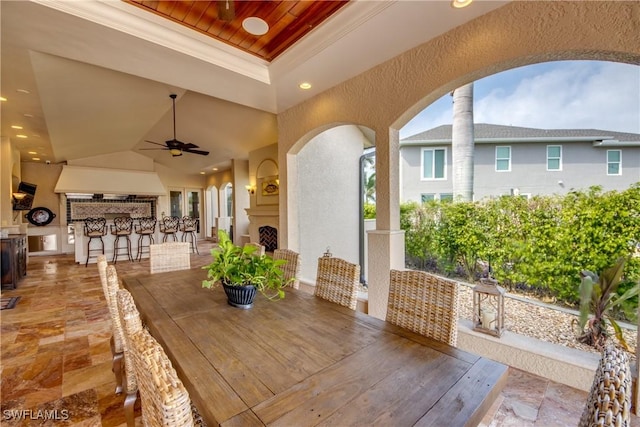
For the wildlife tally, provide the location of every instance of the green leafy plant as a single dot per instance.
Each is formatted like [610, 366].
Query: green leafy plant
[598, 297]
[239, 266]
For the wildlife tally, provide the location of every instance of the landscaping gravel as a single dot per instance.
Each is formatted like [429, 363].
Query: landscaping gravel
[533, 318]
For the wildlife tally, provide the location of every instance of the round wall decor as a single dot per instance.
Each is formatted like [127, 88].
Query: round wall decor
[40, 216]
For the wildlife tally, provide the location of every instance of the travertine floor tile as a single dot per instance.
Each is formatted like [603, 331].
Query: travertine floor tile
[56, 355]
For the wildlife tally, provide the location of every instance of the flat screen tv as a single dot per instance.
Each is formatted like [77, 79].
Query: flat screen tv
[23, 198]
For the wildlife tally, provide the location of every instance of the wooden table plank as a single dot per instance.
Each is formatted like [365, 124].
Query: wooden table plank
[304, 361]
[319, 396]
[403, 397]
[486, 378]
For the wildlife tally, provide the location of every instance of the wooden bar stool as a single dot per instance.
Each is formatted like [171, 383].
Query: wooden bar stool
[94, 228]
[189, 227]
[122, 227]
[145, 228]
[169, 227]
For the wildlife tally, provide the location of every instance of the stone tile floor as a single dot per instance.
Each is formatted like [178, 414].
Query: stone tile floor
[55, 356]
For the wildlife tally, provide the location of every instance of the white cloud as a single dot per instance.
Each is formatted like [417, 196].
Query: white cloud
[590, 95]
[564, 95]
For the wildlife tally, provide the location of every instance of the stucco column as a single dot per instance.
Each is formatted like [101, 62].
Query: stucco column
[6, 169]
[386, 243]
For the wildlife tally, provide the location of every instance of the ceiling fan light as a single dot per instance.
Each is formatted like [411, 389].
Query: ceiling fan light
[459, 4]
[175, 152]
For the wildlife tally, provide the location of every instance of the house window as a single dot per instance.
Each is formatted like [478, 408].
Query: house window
[554, 157]
[614, 160]
[503, 159]
[446, 197]
[434, 163]
[427, 197]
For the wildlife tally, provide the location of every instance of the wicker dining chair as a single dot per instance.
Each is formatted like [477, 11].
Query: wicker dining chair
[169, 256]
[424, 303]
[260, 249]
[116, 338]
[609, 401]
[133, 327]
[291, 269]
[129, 384]
[337, 281]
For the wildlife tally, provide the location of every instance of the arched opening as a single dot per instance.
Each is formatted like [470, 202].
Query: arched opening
[328, 195]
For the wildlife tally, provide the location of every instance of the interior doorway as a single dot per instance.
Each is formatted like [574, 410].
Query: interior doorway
[187, 202]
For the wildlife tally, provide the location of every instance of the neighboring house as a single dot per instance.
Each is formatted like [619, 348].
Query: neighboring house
[516, 160]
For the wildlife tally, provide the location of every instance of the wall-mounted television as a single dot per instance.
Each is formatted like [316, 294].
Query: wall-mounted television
[23, 198]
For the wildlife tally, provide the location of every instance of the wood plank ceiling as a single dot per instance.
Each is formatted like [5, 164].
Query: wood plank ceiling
[288, 20]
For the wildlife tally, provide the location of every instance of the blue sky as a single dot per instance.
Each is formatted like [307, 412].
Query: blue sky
[550, 95]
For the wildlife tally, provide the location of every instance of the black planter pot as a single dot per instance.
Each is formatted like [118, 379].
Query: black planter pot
[240, 296]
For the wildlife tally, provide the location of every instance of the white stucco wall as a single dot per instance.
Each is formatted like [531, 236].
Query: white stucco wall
[387, 96]
[328, 197]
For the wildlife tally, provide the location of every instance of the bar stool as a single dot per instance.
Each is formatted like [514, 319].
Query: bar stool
[169, 226]
[94, 228]
[122, 227]
[145, 228]
[189, 227]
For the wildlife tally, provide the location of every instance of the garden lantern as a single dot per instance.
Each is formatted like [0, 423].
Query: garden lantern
[488, 307]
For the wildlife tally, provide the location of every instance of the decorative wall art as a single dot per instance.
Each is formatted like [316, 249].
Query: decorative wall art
[268, 191]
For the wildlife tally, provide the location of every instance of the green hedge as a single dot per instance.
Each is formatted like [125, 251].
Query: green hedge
[540, 244]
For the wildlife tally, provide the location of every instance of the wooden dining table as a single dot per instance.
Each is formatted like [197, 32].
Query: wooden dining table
[303, 361]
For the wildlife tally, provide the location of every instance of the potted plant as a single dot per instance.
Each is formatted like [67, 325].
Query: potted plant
[242, 274]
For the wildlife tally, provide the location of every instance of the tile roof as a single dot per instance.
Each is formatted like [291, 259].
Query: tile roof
[484, 131]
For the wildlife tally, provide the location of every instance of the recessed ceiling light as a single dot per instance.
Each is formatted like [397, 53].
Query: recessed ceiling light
[22, 91]
[32, 152]
[16, 127]
[256, 26]
[35, 158]
[459, 4]
[305, 85]
[21, 136]
[214, 169]
[28, 115]
[2, 98]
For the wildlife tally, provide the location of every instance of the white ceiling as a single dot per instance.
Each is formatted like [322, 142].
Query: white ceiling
[100, 75]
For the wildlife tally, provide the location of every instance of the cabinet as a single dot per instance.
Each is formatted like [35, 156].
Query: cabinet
[13, 259]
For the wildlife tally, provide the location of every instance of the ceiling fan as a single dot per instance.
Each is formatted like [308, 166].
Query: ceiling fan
[175, 147]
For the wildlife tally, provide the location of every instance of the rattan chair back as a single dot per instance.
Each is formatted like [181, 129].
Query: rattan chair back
[424, 303]
[165, 401]
[609, 401]
[102, 272]
[169, 256]
[260, 249]
[131, 324]
[113, 284]
[337, 281]
[291, 269]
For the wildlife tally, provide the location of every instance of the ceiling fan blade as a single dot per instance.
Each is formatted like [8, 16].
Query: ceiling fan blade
[157, 143]
[188, 145]
[203, 153]
[153, 149]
